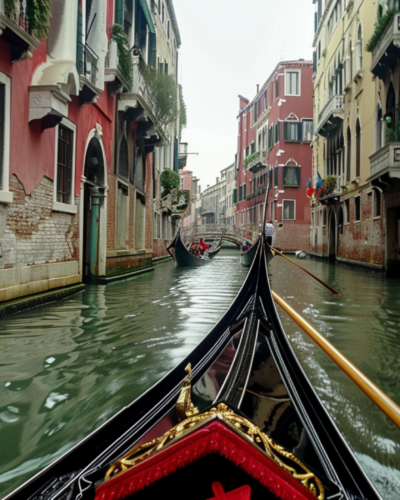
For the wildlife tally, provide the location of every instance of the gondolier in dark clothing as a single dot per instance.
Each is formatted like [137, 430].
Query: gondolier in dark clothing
[269, 232]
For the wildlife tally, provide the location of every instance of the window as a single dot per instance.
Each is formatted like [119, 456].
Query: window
[357, 208]
[324, 213]
[292, 82]
[64, 174]
[292, 131]
[377, 203]
[272, 210]
[348, 162]
[277, 132]
[291, 176]
[307, 131]
[360, 50]
[277, 87]
[5, 94]
[358, 148]
[123, 169]
[276, 176]
[168, 29]
[289, 210]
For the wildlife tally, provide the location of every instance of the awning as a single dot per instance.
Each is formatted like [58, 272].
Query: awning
[147, 14]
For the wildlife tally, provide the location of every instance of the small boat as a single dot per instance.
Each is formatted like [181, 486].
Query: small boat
[247, 255]
[182, 256]
[242, 422]
[214, 249]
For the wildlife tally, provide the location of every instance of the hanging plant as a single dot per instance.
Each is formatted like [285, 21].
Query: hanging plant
[379, 30]
[169, 180]
[11, 8]
[163, 92]
[125, 62]
[39, 15]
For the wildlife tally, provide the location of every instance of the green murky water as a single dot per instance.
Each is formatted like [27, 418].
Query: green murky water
[69, 366]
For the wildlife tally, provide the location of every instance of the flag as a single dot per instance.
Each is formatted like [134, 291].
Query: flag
[310, 190]
[319, 181]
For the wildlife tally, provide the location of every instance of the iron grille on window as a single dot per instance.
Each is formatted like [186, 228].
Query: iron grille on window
[138, 178]
[64, 164]
[291, 176]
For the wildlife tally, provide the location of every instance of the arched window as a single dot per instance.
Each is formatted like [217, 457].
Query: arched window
[360, 49]
[358, 148]
[348, 155]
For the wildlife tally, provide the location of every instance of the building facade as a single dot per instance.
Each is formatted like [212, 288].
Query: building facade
[228, 195]
[349, 221]
[275, 134]
[77, 139]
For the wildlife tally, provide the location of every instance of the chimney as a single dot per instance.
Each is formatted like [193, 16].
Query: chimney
[258, 88]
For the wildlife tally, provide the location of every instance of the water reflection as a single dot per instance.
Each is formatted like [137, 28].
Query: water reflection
[69, 366]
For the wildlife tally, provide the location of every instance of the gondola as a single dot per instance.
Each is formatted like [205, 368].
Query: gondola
[242, 422]
[247, 256]
[212, 252]
[182, 256]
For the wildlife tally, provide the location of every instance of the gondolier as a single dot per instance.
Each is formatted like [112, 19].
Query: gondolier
[269, 231]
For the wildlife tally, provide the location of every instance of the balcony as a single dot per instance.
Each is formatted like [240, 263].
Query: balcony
[331, 116]
[112, 73]
[15, 29]
[87, 66]
[256, 161]
[385, 48]
[386, 161]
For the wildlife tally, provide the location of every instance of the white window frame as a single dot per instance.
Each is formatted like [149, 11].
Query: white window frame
[283, 209]
[5, 195]
[69, 208]
[298, 71]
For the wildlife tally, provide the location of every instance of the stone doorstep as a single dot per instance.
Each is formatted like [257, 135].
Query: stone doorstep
[23, 303]
[36, 287]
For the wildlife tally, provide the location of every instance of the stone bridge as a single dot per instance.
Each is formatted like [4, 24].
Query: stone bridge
[234, 234]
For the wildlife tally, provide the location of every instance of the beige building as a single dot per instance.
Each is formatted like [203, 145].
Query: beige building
[228, 193]
[347, 216]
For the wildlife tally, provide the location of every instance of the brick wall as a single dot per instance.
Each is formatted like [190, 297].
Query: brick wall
[292, 236]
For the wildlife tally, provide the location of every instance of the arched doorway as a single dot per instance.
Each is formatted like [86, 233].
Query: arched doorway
[332, 236]
[94, 211]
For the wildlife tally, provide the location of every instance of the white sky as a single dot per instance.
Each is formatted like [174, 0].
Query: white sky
[228, 46]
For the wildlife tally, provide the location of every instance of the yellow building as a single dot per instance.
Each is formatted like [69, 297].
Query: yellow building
[347, 217]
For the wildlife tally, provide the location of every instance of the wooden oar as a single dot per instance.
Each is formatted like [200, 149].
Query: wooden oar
[274, 250]
[387, 405]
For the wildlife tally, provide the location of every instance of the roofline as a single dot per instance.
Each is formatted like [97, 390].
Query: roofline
[174, 22]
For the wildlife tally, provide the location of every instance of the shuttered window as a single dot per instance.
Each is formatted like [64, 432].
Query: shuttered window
[292, 131]
[64, 164]
[276, 176]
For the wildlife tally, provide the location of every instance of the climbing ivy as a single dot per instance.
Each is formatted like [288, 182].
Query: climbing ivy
[38, 13]
[182, 109]
[379, 29]
[125, 64]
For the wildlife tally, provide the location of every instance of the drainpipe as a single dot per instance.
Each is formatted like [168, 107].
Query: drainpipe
[94, 231]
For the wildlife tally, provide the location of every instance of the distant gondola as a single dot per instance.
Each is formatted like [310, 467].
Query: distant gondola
[252, 426]
[212, 252]
[182, 256]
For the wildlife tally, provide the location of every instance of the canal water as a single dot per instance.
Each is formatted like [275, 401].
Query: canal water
[67, 367]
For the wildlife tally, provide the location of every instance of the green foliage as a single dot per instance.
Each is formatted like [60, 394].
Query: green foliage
[125, 63]
[185, 193]
[169, 180]
[38, 13]
[182, 109]
[327, 188]
[379, 29]
[251, 157]
[163, 91]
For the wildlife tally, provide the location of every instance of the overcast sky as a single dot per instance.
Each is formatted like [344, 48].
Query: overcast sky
[228, 46]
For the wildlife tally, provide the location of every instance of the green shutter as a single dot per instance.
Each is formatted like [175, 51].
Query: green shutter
[276, 176]
[119, 12]
[152, 49]
[235, 195]
[79, 45]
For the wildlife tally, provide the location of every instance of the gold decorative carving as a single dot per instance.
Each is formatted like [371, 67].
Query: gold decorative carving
[246, 429]
[184, 406]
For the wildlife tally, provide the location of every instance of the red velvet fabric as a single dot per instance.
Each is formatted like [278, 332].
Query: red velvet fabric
[215, 437]
[243, 493]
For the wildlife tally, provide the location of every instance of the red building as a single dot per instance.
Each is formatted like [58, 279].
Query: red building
[274, 145]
